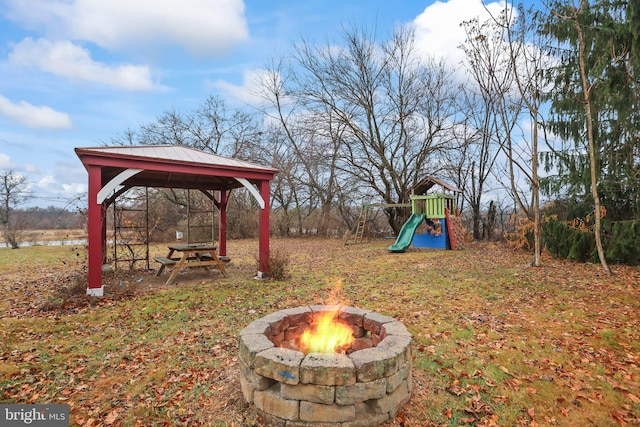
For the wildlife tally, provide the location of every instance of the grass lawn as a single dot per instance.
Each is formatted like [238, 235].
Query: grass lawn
[495, 342]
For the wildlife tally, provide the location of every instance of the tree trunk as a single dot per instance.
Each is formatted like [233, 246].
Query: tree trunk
[586, 88]
[476, 223]
[491, 220]
[535, 187]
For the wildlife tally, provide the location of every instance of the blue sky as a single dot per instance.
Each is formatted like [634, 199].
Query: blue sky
[76, 73]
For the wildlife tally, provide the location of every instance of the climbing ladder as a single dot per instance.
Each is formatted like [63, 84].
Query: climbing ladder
[361, 224]
[455, 230]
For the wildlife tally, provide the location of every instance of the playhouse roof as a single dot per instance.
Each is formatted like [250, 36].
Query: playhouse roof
[428, 182]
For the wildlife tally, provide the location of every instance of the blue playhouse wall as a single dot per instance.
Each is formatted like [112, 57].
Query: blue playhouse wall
[429, 240]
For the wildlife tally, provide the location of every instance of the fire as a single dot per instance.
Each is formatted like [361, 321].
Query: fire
[328, 335]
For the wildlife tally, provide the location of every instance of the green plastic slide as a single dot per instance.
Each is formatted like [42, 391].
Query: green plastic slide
[406, 234]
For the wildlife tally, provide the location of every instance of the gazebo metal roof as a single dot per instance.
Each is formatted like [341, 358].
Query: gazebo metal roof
[171, 166]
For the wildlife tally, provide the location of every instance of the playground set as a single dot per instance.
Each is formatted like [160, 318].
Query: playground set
[434, 221]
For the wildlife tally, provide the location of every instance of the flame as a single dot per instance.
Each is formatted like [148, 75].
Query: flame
[328, 335]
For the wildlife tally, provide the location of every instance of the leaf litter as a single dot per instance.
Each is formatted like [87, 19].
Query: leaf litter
[495, 342]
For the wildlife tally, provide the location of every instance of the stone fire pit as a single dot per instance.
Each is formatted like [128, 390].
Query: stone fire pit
[366, 386]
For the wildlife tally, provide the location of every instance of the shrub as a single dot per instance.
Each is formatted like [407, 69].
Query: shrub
[623, 242]
[277, 264]
[575, 241]
[74, 292]
[522, 235]
[71, 291]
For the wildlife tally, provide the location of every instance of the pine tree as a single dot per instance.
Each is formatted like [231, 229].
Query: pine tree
[594, 106]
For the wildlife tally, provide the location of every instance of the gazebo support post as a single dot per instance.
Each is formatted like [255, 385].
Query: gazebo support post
[104, 234]
[263, 224]
[95, 233]
[222, 224]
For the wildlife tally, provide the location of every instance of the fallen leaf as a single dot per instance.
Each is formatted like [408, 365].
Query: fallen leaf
[632, 397]
[448, 413]
[112, 416]
[619, 417]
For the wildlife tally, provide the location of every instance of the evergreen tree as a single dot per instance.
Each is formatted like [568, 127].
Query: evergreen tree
[611, 32]
[594, 106]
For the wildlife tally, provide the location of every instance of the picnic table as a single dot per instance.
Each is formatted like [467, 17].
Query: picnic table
[191, 255]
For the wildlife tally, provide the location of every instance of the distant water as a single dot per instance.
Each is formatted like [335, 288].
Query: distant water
[49, 243]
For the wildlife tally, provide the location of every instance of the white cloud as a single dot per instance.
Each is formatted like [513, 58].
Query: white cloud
[29, 168]
[63, 58]
[438, 33]
[438, 30]
[49, 189]
[74, 189]
[200, 26]
[249, 91]
[46, 182]
[5, 161]
[34, 116]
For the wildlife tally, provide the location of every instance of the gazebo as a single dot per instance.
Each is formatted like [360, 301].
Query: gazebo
[113, 170]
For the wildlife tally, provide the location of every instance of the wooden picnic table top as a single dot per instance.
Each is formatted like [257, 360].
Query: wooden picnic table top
[181, 247]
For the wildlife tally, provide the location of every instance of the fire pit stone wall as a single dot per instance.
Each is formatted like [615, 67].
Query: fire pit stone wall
[367, 386]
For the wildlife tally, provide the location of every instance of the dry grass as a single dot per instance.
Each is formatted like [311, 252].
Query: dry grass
[45, 236]
[495, 342]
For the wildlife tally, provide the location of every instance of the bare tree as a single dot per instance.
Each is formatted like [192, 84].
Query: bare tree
[512, 71]
[13, 192]
[528, 62]
[212, 127]
[311, 148]
[284, 187]
[507, 72]
[383, 112]
[473, 162]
